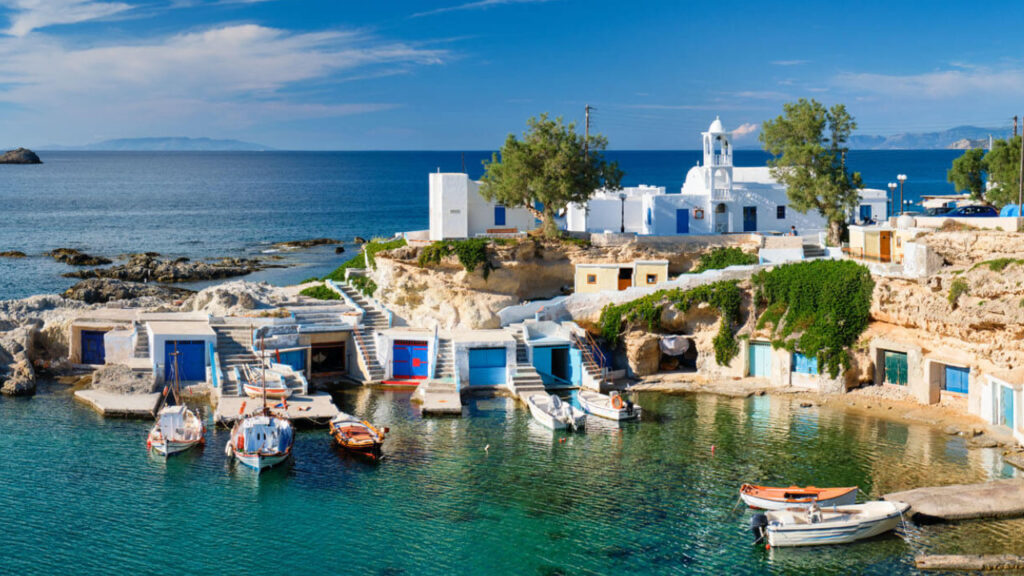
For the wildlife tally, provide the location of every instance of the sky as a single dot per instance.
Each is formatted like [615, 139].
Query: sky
[458, 74]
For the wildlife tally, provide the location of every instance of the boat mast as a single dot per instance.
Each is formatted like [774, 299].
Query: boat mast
[176, 385]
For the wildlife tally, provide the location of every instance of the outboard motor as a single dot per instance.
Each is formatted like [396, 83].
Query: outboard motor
[759, 527]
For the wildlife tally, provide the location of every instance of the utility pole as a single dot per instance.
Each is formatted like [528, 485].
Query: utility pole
[586, 131]
[1015, 126]
[1020, 176]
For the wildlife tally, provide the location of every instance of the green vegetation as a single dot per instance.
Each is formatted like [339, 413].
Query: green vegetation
[723, 296]
[370, 249]
[723, 257]
[472, 253]
[320, 292]
[311, 279]
[1000, 166]
[808, 145]
[968, 173]
[819, 307]
[999, 264]
[364, 284]
[957, 289]
[551, 166]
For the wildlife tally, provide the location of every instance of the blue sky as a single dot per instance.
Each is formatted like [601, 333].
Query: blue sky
[395, 74]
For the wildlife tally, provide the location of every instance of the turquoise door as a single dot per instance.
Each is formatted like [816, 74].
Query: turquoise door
[1006, 403]
[487, 366]
[805, 364]
[895, 368]
[760, 359]
[682, 221]
[956, 379]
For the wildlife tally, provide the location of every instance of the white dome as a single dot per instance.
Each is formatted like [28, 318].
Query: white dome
[716, 127]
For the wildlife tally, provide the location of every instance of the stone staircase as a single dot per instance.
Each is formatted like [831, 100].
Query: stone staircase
[445, 369]
[142, 341]
[526, 379]
[374, 319]
[813, 251]
[234, 350]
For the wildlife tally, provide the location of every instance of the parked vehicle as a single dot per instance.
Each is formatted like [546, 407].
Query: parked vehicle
[973, 212]
[814, 526]
[772, 498]
[938, 210]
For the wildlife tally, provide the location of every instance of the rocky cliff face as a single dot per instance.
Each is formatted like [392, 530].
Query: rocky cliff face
[968, 247]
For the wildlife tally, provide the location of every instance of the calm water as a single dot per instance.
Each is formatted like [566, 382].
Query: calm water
[79, 494]
[204, 205]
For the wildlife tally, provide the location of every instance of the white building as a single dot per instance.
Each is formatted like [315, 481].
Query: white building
[716, 198]
[457, 210]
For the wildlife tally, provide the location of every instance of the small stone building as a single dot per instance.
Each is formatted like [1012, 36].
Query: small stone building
[592, 278]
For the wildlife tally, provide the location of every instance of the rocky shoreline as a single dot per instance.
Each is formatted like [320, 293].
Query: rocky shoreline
[148, 268]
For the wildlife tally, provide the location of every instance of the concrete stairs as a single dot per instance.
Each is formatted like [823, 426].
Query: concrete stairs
[813, 251]
[374, 319]
[445, 368]
[366, 346]
[142, 341]
[526, 379]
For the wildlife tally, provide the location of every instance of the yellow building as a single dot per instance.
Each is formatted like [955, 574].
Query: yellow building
[591, 278]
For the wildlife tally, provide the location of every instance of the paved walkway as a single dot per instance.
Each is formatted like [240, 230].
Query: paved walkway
[317, 408]
[997, 499]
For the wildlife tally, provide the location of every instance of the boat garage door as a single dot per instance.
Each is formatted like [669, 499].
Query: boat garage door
[1006, 406]
[895, 368]
[410, 360]
[487, 367]
[327, 357]
[760, 359]
[956, 379]
[93, 351]
[191, 360]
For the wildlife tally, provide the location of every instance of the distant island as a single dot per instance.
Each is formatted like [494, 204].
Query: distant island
[959, 138]
[167, 144]
[20, 156]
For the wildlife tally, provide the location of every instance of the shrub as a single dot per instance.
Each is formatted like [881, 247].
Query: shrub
[471, 253]
[958, 288]
[819, 307]
[320, 292]
[370, 249]
[723, 257]
[364, 284]
[999, 264]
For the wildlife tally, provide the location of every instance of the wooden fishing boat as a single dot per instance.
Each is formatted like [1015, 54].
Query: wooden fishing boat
[357, 436]
[775, 498]
[261, 441]
[611, 406]
[552, 412]
[815, 526]
[177, 429]
[257, 386]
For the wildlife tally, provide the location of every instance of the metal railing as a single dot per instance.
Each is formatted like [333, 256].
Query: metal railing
[432, 368]
[587, 345]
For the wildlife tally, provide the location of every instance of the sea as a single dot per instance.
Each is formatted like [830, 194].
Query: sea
[213, 204]
[489, 493]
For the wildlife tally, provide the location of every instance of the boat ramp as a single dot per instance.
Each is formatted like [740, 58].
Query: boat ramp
[315, 408]
[996, 499]
[124, 405]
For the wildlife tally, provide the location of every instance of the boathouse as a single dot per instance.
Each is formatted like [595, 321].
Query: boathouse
[592, 278]
[457, 210]
[406, 354]
[553, 352]
[101, 336]
[188, 336]
[1001, 402]
[483, 358]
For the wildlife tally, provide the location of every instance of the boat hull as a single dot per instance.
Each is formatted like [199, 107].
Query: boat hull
[605, 410]
[171, 448]
[549, 420]
[755, 501]
[256, 392]
[261, 462]
[828, 532]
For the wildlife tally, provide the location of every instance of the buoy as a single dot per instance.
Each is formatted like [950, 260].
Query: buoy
[712, 449]
[242, 409]
[561, 440]
[487, 448]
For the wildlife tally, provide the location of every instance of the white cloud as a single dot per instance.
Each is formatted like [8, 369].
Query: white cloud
[938, 85]
[789, 62]
[29, 15]
[228, 76]
[745, 129]
[481, 4]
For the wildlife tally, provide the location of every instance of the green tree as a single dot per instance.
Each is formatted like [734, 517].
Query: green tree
[968, 173]
[1002, 163]
[552, 165]
[808, 145]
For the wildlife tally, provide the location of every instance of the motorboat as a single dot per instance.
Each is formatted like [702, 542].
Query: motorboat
[554, 413]
[816, 526]
[261, 441]
[357, 436]
[778, 498]
[611, 406]
[177, 429]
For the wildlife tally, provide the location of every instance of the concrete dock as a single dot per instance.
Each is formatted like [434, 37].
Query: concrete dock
[969, 562]
[996, 499]
[438, 397]
[126, 405]
[317, 408]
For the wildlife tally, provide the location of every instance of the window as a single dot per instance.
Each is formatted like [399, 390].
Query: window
[865, 212]
[591, 278]
[652, 278]
[780, 212]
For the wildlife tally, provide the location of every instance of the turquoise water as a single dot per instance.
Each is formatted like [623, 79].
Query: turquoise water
[79, 494]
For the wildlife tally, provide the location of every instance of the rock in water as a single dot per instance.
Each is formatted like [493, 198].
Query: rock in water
[359, 240]
[102, 290]
[12, 254]
[74, 257]
[17, 378]
[143, 268]
[296, 244]
[20, 156]
[339, 250]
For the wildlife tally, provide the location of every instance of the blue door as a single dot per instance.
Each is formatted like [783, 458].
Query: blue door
[499, 215]
[191, 360]
[1006, 416]
[93, 351]
[956, 379]
[410, 360]
[760, 359]
[682, 221]
[486, 366]
[750, 218]
[805, 364]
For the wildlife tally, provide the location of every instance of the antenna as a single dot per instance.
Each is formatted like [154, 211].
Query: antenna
[586, 129]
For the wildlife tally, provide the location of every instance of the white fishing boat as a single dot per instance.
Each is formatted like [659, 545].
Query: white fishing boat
[552, 412]
[177, 429]
[261, 441]
[257, 385]
[611, 406]
[815, 526]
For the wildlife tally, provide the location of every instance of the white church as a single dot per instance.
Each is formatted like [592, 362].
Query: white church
[716, 198]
